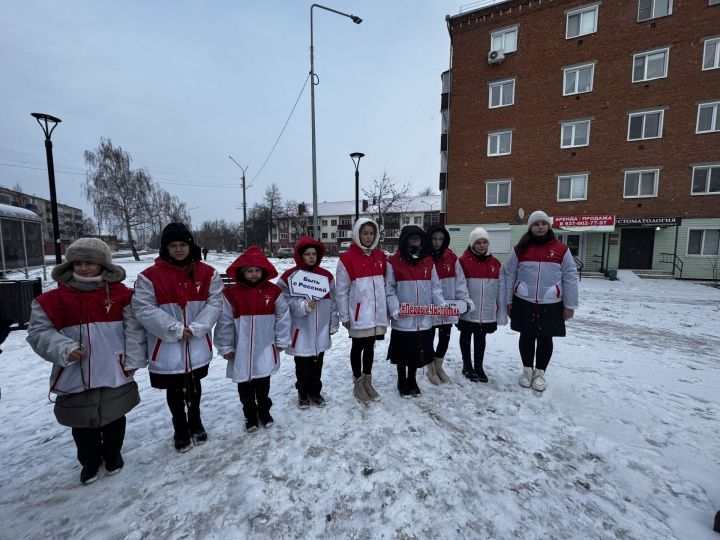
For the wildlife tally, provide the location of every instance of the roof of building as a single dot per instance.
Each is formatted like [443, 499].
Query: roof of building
[14, 212]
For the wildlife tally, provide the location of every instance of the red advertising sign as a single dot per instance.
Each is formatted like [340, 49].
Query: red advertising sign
[578, 223]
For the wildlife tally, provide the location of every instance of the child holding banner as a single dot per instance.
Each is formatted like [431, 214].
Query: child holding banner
[254, 328]
[310, 294]
[360, 289]
[486, 285]
[454, 287]
[411, 279]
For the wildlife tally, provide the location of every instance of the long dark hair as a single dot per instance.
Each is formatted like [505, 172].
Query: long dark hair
[528, 238]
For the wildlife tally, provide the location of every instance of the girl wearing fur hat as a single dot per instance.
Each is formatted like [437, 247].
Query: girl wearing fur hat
[86, 329]
[178, 300]
[486, 285]
[542, 293]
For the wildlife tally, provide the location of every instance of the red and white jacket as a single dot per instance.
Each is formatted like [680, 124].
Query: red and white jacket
[311, 328]
[99, 321]
[360, 284]
[544, 274]
[452, 279]
[414, 284]
[486, 287]
[166, 300]
[255, 321]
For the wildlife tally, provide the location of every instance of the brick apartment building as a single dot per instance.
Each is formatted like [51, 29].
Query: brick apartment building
[337, 219]
[605, 114]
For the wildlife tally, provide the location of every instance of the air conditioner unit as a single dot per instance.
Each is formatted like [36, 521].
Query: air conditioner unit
[495, 57]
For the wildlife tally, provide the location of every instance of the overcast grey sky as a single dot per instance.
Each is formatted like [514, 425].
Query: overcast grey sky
[182, 84]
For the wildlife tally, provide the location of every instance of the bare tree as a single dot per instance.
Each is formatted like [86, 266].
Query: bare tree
[386, 197]
[426, 192]
[273, 203]
[119, 195]
[299, 217]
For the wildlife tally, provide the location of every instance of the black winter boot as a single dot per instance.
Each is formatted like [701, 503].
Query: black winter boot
[480, 372]
[182, 434]
[469, 372]
[716, 528]
[195, 425]
[412, 384]
[402, 384]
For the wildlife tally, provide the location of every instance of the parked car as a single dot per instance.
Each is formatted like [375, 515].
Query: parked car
[285, 252]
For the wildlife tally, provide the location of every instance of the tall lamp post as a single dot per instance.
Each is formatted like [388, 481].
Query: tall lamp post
[356, 157]
[244, 207]
[356, 20]
[48, 124]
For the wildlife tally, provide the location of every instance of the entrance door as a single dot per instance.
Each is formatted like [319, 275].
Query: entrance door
[574, 243]
[636, 248]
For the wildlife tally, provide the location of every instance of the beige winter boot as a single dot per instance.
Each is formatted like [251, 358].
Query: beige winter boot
[526, 377]
[440, 371]
[359, 390]
[432, 374]
[538, 380]
[372, 394]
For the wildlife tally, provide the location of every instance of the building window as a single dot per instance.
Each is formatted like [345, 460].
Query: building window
[406, 221]
[497, 193]
[708, 118]
[572, 187]
[650, 65]
[501, 94]
[324, 236]
[574, 134]
[703, 242]
[581, 22]
[641, 183]
[324, 222]
[504, 40]
[283, 236]
[499, 143]
[652, 9]
[578, 79]
[645, 125]
[333, 222]
[711, 54]
[706, 179]
[333, 236]
[417, 220]
[344, 222]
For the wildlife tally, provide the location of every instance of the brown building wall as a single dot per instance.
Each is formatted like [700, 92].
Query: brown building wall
[539, 108]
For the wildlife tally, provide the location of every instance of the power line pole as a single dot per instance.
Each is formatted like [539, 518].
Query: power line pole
[244, 206]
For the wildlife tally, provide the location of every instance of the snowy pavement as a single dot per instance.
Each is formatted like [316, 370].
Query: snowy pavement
[623, 444]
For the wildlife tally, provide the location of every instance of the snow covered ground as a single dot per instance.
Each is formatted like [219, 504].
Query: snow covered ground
[623, 444]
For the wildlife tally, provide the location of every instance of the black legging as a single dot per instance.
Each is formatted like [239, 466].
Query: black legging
[479, 352]
[443, 340]
[362, 354]
[528, 352]
[176, 400]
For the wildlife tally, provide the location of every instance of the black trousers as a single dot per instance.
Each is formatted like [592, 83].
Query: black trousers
[178, 398]
[254, 396]
[95, 444]
[466, 335]
[541, 355]
[443, 331]
[308, 370]
[362, 354]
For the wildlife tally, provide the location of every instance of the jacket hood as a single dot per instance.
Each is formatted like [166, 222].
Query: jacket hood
[304, 243]
[356, 233]
[404, 248]
[437, 253]
[252, 257]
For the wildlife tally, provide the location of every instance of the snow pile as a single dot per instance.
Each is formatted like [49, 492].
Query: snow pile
[623, 444]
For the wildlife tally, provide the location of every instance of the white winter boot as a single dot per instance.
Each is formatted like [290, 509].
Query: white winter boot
[431, 373]
[538, 380]
[440, 371]
[369, 390]
[526, 377]
[359, 390]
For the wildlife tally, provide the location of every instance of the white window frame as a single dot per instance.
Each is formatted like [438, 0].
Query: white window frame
[573, 177]
[716, 60]
[333, 222]
[576, 69]
[417, 220]
[283, 236]
[324, 236]
[708, 168]
[656, 182]
[715, 126]
[499, 133]
[500, 84]
[581, 12]
[496, 185]
[702, 244]
[652, 11]
[646, 55]
[503, 32]
[572, 124]
[644, 114]
[324, 223]
[333, 236]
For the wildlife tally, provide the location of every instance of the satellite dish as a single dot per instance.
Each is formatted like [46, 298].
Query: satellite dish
[521, 213]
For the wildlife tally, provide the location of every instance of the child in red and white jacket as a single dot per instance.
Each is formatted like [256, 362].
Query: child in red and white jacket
[253, 329]
[313, 322]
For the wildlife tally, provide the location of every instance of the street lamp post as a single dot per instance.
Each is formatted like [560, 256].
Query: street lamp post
[48, 124]
[356, 20]
[356, 157]
[244, 206]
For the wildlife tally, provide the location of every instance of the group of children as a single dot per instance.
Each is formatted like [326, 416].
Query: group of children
[97, 332]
